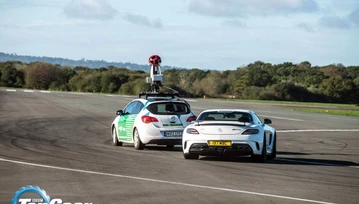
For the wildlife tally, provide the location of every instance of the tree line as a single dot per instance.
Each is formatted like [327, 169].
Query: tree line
[258, 80]
[73, 63]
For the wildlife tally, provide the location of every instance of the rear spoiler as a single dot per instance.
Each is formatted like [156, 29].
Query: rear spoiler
[213, 122]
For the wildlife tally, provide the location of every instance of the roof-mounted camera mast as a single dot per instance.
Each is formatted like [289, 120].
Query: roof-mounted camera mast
[156, 78]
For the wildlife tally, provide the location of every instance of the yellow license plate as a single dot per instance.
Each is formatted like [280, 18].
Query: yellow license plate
[219, 143]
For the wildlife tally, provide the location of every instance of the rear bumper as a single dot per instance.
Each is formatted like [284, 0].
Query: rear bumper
[165, 141]
[234, 150]
[157, 136]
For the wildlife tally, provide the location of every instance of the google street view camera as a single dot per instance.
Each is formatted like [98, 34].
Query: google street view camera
[156, 78]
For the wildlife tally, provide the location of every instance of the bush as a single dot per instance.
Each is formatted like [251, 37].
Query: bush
[252, 92]
[134, 87]
[269, 95]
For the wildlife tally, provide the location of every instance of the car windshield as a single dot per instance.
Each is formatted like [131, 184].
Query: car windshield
[226, 116]
[168, 108]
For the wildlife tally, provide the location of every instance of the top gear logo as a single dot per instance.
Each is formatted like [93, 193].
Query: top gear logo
[30, 189]
[35, 189]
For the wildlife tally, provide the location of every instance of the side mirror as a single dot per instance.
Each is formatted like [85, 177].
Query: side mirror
[267, 121]
[119, 112]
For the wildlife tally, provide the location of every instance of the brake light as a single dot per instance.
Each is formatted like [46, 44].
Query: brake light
[191, 118]
[148, 119]
[192, 131]
[250, 132]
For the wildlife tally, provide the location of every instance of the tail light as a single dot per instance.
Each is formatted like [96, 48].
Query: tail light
[192, 131]
[191, 118]
[148, 119]
[250, 132]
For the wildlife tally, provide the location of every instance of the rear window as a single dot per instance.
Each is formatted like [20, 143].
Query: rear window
[226, 116]
[168, 108]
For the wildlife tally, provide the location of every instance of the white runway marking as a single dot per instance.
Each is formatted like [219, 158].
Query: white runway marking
[45, 91]
[28, 91]
[281, 118]
[321, 130]
[11, 90]
[191, 100]
[163, 181]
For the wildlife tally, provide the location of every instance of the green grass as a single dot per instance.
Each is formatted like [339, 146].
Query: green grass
[324, 108]
[331, 112]
[338, 105]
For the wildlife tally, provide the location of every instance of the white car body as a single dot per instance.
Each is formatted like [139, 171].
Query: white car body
[219, 132]
[153, 120]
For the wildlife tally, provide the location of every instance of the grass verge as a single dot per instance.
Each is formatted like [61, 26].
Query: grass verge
[330, 111]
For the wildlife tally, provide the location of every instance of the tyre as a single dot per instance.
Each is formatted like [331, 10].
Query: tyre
[170, 146]
[274, 150]
[263, 157]
[191, 156]
[115, 141]
[137, 141]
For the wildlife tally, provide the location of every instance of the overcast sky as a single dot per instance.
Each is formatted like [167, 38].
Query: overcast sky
[206, 34]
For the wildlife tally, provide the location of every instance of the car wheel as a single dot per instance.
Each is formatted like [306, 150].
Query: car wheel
[170, 146]
[274, 150]
[263, 157]
[114, 137]
[191, 156]
[137, 141]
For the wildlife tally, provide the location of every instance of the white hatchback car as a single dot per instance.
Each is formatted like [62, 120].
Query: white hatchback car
[155, 119]
[220, 132]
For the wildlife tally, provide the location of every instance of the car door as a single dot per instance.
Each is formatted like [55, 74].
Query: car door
[268, 131]
[122, 130]
[131, 119]
[127, 124]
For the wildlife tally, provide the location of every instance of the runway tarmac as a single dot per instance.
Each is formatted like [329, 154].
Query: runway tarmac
[61, 142]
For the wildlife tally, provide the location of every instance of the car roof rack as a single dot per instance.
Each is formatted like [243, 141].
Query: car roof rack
[158, 94]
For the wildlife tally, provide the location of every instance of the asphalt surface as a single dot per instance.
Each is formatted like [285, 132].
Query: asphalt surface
[61, 142]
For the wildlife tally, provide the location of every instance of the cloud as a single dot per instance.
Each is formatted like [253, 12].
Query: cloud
[245, 8]
[142, 20]
[234, 23]
[90, 9]
[13, 4]
[305, 27]
[41, 23]
[354, 17]
[334, 22]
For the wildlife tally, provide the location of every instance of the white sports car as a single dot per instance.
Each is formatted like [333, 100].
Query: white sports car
[220, 132]
[155, 119]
